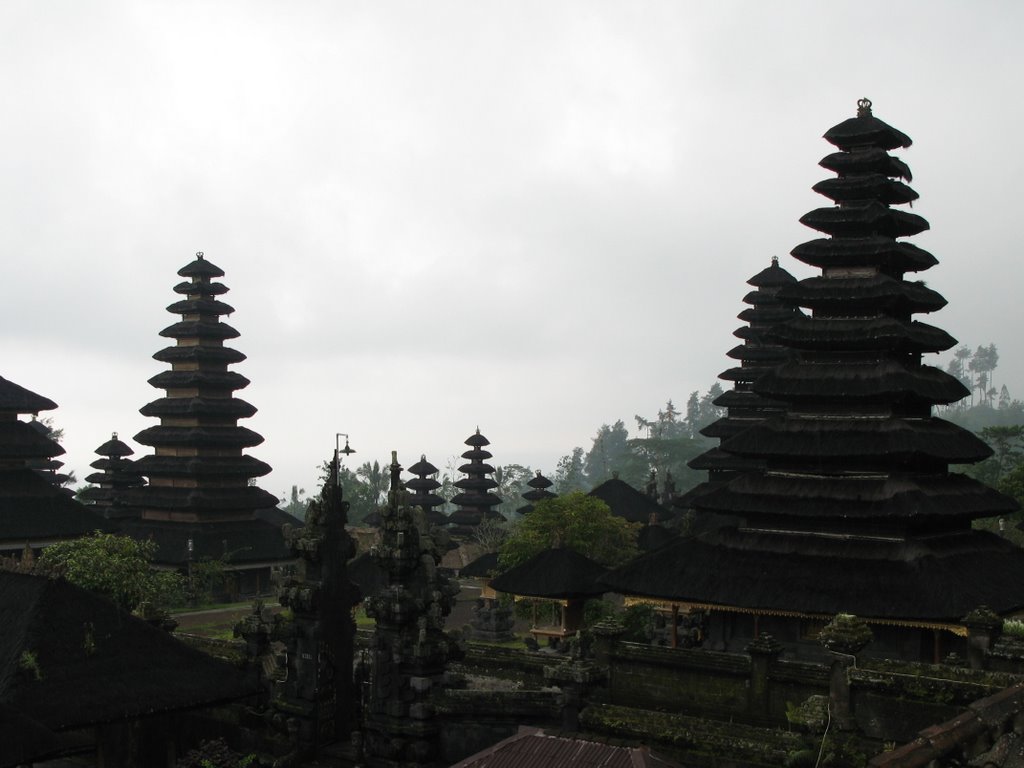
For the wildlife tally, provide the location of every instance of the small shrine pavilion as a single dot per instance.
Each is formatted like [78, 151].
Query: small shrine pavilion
[199, 502]
[34, 511]
[851, 507]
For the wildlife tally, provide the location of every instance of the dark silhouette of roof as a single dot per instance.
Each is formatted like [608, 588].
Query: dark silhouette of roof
[483, 567]
[15, 398]
[70, 659]
[554, 573]
[627, 502]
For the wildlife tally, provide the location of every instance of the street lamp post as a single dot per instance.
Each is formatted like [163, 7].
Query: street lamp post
[347, 450]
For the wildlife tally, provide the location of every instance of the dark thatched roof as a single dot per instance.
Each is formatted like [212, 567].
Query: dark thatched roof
[200, 329]
[483, 567]
[873, 186]
[34, 510]
[872, 251]
[15, 398]
[857, 333]
[243, 541]
[880, 382]
[19, 440]
[873, 218]
[866, 131]
[938, 579]
[900, 500]
[90, 663]
[200, 306]
[553, 573]
[867, 161]
[627, 502]
[859, 438]
[178, 407]
[199, 354]
[877, 291]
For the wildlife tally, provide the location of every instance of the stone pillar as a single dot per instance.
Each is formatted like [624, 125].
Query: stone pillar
[764, 650]
[983, 627]
[844, 637]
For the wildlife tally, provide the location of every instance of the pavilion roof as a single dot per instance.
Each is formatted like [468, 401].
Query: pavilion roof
[14, 397]
[95, 663]
[552, 573]
[627, 502]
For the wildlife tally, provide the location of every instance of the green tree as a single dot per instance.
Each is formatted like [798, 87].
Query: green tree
[576, 521]
[569, 474]
[296, 506]
[1007, 444]
[609, 453]
[118, 567]
[511, 480]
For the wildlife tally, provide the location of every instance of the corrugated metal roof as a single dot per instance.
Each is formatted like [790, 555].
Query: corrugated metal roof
[530, 748]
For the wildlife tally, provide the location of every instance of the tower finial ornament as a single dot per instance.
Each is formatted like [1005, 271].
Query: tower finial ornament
[199, 255]
[864, 107]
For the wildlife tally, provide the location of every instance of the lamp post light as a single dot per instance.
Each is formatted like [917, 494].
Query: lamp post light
[347, 450]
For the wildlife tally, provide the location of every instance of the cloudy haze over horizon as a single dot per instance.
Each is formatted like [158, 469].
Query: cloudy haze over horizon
[535, 217]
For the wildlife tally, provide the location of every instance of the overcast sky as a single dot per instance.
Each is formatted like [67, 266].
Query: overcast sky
[535, 217]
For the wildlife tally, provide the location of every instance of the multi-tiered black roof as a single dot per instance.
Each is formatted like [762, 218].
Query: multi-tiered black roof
[33, 510]
[854, 507]
[423, 486]
[538, 492]
[199, 477]
[475, 502]
[757, 354]
[117, 474]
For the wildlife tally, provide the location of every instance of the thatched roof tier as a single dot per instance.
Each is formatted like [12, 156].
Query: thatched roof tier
[538, 494]
[244, 542]
[14, 398]
[870, 251]
[206, 379]
[475, 499]
[758, 354]
[97, 664]
[201, 268]
[860, 439]
[902, 500]
[199, 354]
[745, 373]
[229, 500]
[866, 132]
[553, 573]
[627, 502]
[728, 426]
[211, 330]
[938, 579]
[882, 382]
[422, 468]
[18, 440]
[221, 407]
[472, 516]
[474, 483]
[870, 186]
[199, 437]
[477, 454]
[200, 306]
[867, 161]
[862, 333]
[202, 466]
[745, 399]
[425, 484]
[477, 440]
[539, 482]
[113, 447]
[34, 510]
[201, 289]
[879, 292]
[766, 314]
[717, 459]
[476, 467]
[772, 276]
[483, 567]
[864, 220]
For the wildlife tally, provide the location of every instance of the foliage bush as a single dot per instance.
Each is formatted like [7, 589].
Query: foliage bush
[117, 567]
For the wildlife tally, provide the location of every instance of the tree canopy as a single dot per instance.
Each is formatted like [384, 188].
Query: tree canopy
[575, 521]
[117, 567]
